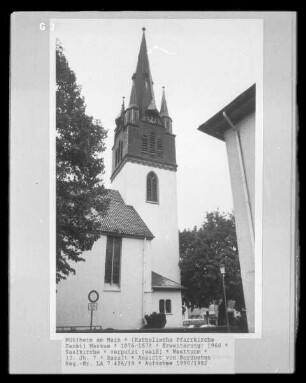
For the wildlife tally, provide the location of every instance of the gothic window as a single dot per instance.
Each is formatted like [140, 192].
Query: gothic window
[152, 187]
[159, 148]
[165, 306]
[144, 144]
[112, 261]
[152, 144]
[118, 153]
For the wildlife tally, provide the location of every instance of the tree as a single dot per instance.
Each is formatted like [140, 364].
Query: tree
[202, 251]
[80, 194]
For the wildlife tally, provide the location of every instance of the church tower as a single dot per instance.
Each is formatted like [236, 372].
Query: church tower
[144, 169]
[143, 133]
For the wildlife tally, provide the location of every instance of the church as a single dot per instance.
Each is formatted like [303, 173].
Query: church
[134, 265]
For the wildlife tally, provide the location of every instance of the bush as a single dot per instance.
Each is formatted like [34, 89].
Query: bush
[155, 320]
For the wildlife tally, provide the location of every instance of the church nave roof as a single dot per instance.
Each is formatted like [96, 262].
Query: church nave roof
[123, 219]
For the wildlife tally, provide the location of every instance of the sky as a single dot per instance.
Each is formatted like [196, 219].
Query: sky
[203, 63]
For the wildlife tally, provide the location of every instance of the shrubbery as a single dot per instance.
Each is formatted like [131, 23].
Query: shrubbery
[155, 320]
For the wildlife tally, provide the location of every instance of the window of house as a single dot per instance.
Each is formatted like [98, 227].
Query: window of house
[112, 261]
[165, 306]
[152, 144]
[159, 148]
[144, 144]
[152, 187]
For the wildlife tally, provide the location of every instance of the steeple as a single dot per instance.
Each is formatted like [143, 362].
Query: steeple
[143, 135]
[164, 108]
[119, 118]
[166, 119]
[143, 79]
[122, 106]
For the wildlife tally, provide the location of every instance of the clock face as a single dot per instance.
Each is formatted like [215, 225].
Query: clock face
[152, 119]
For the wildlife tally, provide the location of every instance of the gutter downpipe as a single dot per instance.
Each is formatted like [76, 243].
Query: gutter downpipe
[244, 179]
[143, 278]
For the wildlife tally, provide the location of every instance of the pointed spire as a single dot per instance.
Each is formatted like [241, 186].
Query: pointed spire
[122, 110]
[164, 108]
[133, 98]
[143, 78]
[122, 106]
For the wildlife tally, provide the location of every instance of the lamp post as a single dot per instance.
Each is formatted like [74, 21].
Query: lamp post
[222, 270]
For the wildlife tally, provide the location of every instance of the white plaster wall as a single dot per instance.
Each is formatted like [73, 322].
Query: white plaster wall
[247, 136]
[175, 319]
[161, 218]
[243, 228]
[116, 309]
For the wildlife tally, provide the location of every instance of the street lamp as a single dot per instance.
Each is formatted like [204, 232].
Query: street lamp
[222, 270]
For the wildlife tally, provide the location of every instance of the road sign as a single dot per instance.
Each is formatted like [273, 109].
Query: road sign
[93, 296]
[93, 306]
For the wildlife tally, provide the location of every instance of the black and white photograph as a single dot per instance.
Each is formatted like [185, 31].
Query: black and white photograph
[155, 179]
[153, 192]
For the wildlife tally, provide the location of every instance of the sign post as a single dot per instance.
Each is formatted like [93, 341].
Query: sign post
[93, 297]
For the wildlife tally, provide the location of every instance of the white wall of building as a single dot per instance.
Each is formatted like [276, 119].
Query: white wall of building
[244, 225]
[116, 309]
[175, 319]
[161, 218]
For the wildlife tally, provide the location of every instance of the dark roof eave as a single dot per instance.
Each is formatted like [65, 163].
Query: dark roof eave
[169, 288]
[126, 235]
[239, 108]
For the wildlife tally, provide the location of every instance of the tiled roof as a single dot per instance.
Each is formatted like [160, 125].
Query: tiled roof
[123, 219]
[160, 282]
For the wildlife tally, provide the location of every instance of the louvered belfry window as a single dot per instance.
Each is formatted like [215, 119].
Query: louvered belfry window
[152, 144]
[159, 148]
[144, 144]
[152, 187]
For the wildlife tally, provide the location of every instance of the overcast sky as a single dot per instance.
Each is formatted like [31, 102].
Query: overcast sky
[203, 64]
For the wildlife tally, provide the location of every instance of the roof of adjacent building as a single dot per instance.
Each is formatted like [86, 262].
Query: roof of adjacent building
[161, 283]
[239, 108]
[122, 219]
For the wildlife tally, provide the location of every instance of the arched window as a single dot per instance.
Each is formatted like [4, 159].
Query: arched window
[144, 144]
[159, 148]
[152, 143]
[152, 187]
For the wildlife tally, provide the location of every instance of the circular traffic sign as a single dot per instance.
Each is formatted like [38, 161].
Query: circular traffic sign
[93, 296]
